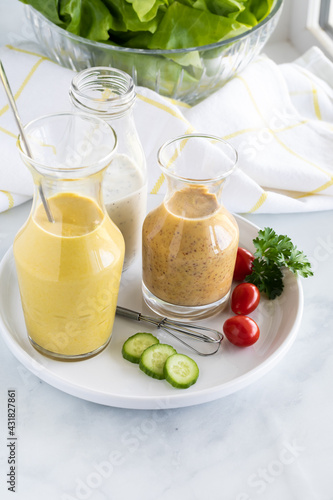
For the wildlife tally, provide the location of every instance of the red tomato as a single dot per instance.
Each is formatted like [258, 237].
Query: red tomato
[245, 298]
[243, 265]
[241, 330]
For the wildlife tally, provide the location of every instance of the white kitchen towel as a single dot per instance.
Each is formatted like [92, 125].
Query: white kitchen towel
[278, 117]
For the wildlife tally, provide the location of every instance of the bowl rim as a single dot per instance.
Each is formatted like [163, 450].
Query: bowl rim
[276, 9]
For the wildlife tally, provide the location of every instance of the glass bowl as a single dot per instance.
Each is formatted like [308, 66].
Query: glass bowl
[188, 75]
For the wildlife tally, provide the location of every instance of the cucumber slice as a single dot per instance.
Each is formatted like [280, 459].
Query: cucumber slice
[153, 359]
[136, 344]
[181, 371]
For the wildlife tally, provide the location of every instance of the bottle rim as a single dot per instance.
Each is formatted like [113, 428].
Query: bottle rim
[67, 172]
[102, 78]
[192, 180]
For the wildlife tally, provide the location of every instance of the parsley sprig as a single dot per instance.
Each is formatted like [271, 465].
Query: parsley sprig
[274, 252]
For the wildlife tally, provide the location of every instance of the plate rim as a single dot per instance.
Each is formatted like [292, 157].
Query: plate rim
[152, 402]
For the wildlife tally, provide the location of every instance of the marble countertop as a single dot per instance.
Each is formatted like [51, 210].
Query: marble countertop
[272, 440]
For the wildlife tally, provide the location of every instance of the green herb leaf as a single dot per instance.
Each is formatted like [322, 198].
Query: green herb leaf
[267, 276]
[273, 252]
[298, 263]
[272, 247]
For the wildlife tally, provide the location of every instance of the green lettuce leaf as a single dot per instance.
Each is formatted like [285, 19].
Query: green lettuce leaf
[153, 69]
[49, 9]
[96, 20]
[70, 12]
[248, 18]
[260, 8]
[146, 10]
[123, 10]
[184, 27]
[228, 8]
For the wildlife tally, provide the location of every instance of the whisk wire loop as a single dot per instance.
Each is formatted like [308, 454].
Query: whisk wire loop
[172, 327]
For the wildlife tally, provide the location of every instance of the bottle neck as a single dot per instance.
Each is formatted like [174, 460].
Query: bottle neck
[105, 92]
[86, 190]
[193, 199]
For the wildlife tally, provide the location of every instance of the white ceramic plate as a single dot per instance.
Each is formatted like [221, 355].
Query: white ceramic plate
[110, 380]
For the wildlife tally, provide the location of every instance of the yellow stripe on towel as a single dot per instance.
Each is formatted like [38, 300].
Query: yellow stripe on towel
[240, 132]
[5, 131]
[159, 105]
[161, 178]
[316, 102]
[10, 198]
[158, 184]
[24, 51]
[317, 190]
[259, 203]
[23, 85]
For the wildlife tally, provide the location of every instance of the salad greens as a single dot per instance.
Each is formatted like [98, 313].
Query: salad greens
[155, 24]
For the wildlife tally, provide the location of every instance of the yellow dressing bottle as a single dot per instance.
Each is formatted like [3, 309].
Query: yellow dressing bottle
[69, 270]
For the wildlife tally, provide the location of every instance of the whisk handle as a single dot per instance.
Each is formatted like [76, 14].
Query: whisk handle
[128, 313]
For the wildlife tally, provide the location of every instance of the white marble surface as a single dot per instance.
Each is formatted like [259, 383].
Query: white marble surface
[272, 440]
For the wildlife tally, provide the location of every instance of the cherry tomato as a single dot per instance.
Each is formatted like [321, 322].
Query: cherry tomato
[241, 330]
[243, 265]
[245, 298]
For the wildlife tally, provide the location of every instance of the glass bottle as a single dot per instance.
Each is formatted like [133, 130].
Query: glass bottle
[69, 270]
[189, 242]
[110, 94]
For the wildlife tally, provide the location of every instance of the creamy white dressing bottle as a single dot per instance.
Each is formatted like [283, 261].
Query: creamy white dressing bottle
[109, 93]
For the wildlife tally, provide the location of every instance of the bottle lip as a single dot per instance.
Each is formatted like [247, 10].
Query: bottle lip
[68, 172]
[182, 140]
[120, 98]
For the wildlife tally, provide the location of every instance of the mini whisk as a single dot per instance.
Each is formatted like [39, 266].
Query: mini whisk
[195, 332]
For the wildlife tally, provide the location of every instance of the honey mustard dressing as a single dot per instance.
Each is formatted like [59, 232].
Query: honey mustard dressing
[69, 275]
